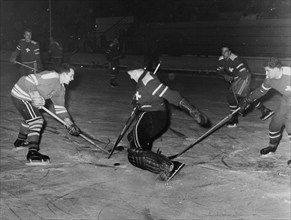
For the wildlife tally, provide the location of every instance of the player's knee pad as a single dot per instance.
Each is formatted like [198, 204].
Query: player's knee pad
[148, 160]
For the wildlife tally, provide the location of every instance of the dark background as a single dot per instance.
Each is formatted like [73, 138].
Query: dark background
[73, 21]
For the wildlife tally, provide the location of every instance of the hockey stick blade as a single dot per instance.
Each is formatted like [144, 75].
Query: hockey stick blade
[81, 135]
[210, 131]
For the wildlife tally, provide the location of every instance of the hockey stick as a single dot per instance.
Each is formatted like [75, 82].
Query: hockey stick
[205, 134]
[29, 67]
[81, 135]
[128, 122]
[124, 130]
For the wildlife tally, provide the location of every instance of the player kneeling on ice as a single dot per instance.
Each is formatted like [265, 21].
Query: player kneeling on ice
[29, 95]
[278, 78]
[152, 121]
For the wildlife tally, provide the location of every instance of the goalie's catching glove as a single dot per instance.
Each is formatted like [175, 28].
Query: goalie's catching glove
[198, 116]
[72, 127]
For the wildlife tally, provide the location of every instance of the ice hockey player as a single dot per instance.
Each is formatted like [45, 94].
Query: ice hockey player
[113, 56]
[153, 120]
[234, 71]
[29, 95]
[29, 54]
[278, 78]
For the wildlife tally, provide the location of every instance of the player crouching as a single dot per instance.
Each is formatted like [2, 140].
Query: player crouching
[153, 120]
[29, 95]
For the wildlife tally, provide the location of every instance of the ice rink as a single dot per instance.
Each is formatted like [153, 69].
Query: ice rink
[224, 176]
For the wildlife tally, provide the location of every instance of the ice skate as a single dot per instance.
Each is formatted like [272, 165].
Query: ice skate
[232, 123]
[267, 151]
[177, 167]
[20, 144]
[266, 113]
[35, 158]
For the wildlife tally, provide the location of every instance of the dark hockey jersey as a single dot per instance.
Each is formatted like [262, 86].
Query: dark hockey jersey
[233, 66]
[282, 85]
[47, 83]
[151, 94]
[29, 51]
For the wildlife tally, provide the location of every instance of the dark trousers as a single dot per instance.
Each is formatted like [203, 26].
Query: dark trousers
[149, 126]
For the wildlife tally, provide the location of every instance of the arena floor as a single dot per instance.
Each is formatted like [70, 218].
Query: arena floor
[224, 176]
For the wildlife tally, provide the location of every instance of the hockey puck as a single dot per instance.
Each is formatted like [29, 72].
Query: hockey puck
[119, 148]
[116, 164]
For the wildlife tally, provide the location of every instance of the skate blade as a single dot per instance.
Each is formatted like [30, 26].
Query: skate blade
[38, 163]
[176, 171]
[232, 126]
[19, 148]
[268, 155]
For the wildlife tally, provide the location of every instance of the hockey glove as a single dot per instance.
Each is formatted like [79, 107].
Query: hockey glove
[198, 116]
[36, 99]
[72, 128]
[226, 77]
[244, 105]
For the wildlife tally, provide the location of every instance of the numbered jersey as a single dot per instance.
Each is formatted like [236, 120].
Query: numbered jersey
[151, 94]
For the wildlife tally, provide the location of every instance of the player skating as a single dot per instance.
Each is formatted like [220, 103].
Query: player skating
[234, 71]
[28, 95]
[152, 121]
[278, 78]
[113, 56]
[29, 53]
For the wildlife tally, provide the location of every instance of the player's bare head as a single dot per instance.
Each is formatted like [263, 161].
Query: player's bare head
[273, 68]
[273, 62]
[226, 52]
[67, 73]
[65, 68]
[27, 34]
[135, 73]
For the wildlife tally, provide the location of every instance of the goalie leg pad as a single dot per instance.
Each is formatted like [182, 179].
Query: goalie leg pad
[148, 160]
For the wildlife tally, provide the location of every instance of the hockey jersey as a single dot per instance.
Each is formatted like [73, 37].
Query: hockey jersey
[29, 51]
[151, 94]
[233, 66]
[47, 83]
[282, 85]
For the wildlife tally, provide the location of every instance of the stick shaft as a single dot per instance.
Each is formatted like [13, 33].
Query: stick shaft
[81, 135]
[206, 134]
[29, 67]
[125, 128]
